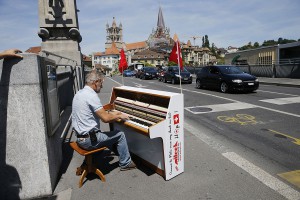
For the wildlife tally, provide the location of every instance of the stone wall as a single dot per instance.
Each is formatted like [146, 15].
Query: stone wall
[30, 159]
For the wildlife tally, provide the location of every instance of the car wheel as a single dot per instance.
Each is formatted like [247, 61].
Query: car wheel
[224, 87]
[198, 84]
[173, 81]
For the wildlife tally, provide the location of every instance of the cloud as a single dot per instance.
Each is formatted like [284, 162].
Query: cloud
[227, 22]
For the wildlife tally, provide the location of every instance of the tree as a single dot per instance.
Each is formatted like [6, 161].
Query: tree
[206, 43]
[256, 45]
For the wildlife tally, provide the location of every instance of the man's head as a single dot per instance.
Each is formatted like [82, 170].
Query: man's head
[94, 79]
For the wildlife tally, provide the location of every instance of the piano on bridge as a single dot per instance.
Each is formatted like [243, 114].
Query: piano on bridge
[154, 132]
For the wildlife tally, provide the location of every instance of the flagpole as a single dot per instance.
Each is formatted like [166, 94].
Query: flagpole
[179, 69]
[123, 76]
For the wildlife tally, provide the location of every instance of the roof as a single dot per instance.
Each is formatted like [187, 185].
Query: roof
[86, 58]
[35, 50]
[99, 53]
[136, 45]
[150, 55]
[113, 50]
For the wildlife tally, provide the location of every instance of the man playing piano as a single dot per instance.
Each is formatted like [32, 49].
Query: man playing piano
[87, 109]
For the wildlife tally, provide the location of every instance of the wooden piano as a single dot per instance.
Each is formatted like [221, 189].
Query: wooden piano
[154, 132]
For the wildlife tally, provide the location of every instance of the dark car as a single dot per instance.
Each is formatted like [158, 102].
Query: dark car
[172, 75]
[128, 73]
[148, 73]
[226, 78]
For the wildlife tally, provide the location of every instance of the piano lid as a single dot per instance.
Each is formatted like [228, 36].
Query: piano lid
[153, 97]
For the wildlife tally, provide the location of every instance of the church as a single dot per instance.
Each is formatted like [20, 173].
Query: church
[154, 51]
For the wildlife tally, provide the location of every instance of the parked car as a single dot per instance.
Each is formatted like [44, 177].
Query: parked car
[128, 73]
[172, 75]
[148, 73]
[226, 78]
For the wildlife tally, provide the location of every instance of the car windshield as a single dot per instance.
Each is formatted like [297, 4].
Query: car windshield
[230, 70]
[175, 69]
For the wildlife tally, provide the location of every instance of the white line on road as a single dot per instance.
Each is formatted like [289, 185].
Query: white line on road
[247, 166]
[263, 176]
[277, 93]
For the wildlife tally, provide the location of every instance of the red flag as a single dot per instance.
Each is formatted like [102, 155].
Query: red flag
[123, 63]
[175, 55]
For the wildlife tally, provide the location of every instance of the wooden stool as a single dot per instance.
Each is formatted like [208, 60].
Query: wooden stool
[89, 167]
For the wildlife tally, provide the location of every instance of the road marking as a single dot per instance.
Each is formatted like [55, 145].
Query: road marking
[264, 177]
[114, 81]
[296, 140]
[220, 107]
[242, 119]
[277, 93]
[282, 101]
[292, 177]
[270, 109]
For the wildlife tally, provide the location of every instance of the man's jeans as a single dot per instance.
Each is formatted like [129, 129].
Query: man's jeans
[109, 139]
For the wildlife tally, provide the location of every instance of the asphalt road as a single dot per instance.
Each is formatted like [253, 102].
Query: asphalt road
[265, 123]
[237, 146]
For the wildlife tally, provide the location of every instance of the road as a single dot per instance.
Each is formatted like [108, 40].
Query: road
[260, 127]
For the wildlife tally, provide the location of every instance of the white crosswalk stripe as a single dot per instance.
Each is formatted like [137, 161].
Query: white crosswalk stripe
[282, 101]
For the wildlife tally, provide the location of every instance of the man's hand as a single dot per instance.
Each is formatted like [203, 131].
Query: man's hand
[10, 53]
[123, 116]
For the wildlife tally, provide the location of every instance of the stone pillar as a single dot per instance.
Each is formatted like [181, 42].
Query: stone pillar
[30, 158]
[59, 29]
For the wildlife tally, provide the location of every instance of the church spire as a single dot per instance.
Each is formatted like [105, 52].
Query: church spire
[160, 19]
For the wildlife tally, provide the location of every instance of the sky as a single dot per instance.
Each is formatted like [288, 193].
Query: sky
[226, 23]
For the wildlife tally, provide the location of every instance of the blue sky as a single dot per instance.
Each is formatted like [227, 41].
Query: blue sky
[226, 22]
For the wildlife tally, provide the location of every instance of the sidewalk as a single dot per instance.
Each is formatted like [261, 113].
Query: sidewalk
[280, 81]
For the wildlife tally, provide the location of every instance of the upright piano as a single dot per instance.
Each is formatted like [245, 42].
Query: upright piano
[154, 131]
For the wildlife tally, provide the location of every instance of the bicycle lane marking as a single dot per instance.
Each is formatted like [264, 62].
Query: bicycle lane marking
[255, 171]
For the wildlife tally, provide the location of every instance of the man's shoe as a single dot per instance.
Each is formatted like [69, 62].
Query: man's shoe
[129, 167]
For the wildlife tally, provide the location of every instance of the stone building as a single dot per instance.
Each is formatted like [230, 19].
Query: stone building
[195, 55]
[160, 38]
[114, 35]
[107, 61]
[151, 57]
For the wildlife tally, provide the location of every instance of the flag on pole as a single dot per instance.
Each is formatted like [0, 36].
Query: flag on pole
[175, 55]
[123, 63]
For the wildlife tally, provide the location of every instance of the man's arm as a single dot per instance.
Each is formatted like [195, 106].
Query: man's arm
[10, 53]
[112, 116]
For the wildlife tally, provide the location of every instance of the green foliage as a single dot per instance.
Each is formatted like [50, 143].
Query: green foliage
[171, 63]
[147, 64]
[205, 41]
[266, 43]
